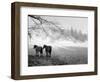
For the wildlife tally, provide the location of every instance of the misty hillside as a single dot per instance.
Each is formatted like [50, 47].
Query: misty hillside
[44, 31]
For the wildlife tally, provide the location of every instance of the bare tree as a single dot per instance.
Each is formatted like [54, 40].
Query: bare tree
[42, 21]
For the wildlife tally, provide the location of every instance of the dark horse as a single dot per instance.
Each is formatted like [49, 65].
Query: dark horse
[39, 50]
[48, 50]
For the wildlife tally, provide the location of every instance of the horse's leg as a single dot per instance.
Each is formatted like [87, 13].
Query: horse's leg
[37, 53]
[46, 54]
[49, 53]
[41, 52]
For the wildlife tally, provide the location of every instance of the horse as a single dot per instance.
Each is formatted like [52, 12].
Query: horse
[48, 50]
[38, 49]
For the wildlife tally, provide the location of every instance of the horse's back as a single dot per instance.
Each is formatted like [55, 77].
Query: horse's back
[39, 48]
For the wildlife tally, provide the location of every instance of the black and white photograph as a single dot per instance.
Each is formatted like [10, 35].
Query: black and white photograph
[57, 40]
[53, 40]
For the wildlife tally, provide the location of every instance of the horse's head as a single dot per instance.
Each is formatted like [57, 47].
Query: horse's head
[35, 46]
[44, 46]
